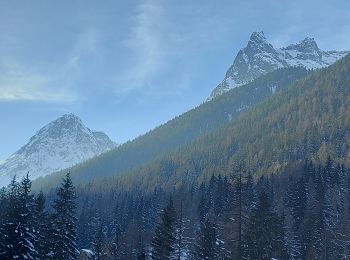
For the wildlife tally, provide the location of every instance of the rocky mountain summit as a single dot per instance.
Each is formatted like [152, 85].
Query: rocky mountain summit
[260, 57]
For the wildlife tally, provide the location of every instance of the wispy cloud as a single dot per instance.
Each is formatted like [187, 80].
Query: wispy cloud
[61, 85]
[160, 43]
[86, 44]
[18, 84]
[145, 44]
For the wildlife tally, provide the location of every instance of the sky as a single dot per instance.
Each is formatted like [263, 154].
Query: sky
[125, 67]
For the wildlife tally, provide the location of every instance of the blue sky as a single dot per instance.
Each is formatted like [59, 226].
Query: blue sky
[125, 67]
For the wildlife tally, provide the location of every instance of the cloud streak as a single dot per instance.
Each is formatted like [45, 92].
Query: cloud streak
[60, 86]
[86, 44]
[144, 42]
[160, 44]
[17, 84]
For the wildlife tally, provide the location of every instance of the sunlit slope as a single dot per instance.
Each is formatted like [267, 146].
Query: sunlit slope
[309, 119]
[183, 129]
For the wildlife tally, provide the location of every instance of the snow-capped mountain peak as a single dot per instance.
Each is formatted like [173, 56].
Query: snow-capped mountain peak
[306, 50]
[260, 57]
[258, 37]
[58, 145]
[258, 44]
[308, 44]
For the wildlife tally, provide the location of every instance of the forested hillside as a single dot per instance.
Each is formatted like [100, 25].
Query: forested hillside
[309, 119]
[168, 137]
[271, 184]
[301, 213]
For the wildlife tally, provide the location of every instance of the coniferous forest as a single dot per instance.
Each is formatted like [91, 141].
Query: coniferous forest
[302, 213]
[257, 170]
[272, 184]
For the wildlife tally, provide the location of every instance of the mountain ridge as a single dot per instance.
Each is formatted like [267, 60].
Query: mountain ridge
[304, 121]
[260, 57]
[191, 125]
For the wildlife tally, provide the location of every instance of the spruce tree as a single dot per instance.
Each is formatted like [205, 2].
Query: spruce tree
[206, 246]
[264, 238]
[343, 225]
[164, 239]
[181, 231]
[3, 209]
[42, 226]
[243, 202]
[99, 244]
[64, 222]
[295, 200]
[8, 236]
[18, 236]
[140, 249]
[88, 224]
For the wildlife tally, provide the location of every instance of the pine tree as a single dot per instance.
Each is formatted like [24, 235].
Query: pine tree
[42, 225]
[206, 246]
[296, 202]
[3, 209]
[238, 201]
[88, 224]
[329, 217]
[117, 245]
[264, 238]
[9, 237]
[64, 222]
[249, 196]
[18, 236]
[243, 201]
[181, 240]
[140, 249]
[311, 230]
[343, 225]
[99, 244]
[164, 239]
[142, 225]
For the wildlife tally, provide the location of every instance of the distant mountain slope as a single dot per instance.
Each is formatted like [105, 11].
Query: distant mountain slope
[260, 57]
[58, 145]
[183, 129]
[309, 119]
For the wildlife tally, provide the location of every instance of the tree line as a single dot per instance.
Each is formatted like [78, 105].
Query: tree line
[302, 213]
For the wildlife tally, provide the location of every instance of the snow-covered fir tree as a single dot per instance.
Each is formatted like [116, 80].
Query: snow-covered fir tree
[64, 222]
[18, 233]
[99, 244]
